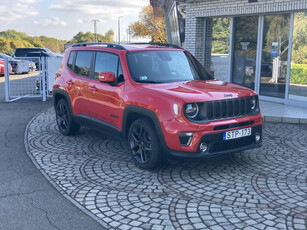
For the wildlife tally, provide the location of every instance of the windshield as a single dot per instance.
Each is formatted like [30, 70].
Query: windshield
[163, 66]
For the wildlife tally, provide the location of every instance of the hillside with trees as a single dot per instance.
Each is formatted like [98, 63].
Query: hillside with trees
[11, 39]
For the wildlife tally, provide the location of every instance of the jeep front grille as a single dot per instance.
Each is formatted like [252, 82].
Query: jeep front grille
[237, 107]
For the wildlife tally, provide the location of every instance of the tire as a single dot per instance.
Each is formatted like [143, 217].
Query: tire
[64, 119]
[144, 145]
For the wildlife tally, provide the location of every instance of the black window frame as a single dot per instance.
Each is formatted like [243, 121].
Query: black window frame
[117, 68]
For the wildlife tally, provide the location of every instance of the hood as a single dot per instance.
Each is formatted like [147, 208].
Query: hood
[200, 90]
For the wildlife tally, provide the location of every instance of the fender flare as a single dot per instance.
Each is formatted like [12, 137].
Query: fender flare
[146, 113]
[62, 92]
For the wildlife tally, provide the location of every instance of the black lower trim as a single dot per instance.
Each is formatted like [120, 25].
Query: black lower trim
[98, 125]
[208, 155]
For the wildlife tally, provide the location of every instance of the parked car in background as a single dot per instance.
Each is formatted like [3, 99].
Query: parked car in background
[266, 69]
[25, 51]
[2, 67]
[33, 54]
[19, 66]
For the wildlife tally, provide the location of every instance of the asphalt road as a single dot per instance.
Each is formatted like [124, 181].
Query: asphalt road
[27, 199]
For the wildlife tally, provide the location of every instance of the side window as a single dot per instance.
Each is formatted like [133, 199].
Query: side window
[83, 63]
[106, 62]
[71, 59]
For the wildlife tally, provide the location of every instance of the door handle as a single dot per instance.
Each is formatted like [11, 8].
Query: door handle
[70, 83]
[93, 88]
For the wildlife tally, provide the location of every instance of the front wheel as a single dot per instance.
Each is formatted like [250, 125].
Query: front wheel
[144, 145]
[65, 122]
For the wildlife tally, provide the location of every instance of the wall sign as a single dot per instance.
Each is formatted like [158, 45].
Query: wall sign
[274, 53]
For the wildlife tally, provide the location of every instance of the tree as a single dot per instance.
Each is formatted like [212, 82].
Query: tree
[299, 52]
[90, 37]
[108, 37]
[220, 35]
[4, 45]
[83, 37]
[149, 25]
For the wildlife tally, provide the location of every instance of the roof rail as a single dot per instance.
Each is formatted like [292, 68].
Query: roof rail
[108, 45]
[157, 44]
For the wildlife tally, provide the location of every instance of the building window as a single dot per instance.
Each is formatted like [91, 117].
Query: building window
[274, 55]
[218, 54]
[245, 50]
[298, 73]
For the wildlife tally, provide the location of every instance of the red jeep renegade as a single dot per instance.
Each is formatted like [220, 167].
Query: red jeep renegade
[158, 97]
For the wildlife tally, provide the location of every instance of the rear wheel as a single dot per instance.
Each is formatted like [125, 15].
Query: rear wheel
[144, 145]
[65, 122]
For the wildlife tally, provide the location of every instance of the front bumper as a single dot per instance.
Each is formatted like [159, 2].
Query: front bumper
[217, 146]
[212, 134]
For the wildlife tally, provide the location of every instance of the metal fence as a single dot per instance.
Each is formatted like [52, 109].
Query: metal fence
[31, 77]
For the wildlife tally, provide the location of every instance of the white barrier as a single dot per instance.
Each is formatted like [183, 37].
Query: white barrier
[37, 83]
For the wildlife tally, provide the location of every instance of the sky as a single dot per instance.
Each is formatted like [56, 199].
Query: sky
[63, 19]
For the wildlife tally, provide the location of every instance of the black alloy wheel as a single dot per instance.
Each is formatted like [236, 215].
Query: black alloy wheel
[64, 119]
[144, 144]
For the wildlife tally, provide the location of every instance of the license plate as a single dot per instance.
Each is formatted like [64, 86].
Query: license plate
[234, 134]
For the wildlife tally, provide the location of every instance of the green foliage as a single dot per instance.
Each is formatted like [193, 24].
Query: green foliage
[90, 37]
[299, 53]
[4, 45]
[298, 74]
[149, 25]
[11, 39]
[220, 35]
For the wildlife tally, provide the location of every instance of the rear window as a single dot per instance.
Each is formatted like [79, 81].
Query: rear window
[71, 59]
[83, 63]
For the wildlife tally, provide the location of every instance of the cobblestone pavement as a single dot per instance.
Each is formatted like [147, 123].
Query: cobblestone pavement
[258, 189]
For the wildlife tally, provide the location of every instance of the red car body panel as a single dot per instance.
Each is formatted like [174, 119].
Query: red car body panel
[2, 68]
[107, 103]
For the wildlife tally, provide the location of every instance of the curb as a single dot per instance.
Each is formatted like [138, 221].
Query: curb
[285, 120]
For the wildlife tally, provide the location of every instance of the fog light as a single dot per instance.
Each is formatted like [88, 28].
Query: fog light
[257, 137]
[185, 138]
[203, 147]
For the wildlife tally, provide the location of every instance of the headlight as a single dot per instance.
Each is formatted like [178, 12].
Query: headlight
[253, 102]
[191, 110]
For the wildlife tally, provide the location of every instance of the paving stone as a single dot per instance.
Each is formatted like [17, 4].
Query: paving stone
[258, 188]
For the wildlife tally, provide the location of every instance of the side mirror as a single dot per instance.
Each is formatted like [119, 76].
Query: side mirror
[107, 77]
